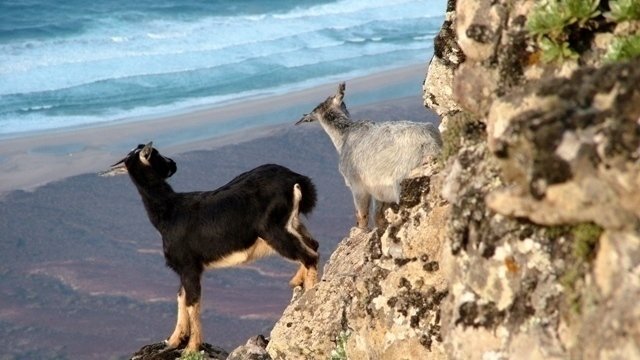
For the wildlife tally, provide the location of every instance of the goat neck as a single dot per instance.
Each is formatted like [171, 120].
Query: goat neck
[155, 192]
[336, 124]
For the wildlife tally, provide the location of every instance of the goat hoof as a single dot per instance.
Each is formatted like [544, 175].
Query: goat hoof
[169, 345]
[311, 279]
[295, 284]
[181, 342]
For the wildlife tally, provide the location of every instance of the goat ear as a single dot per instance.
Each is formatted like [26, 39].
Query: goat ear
[145, 153]
[340, 93]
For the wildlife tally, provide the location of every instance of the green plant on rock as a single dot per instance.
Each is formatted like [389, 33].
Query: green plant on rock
[462, 126]
[580, 11]
[340, 352]
[548, 18]
[193, 356]
[551, 17]
[557, 231]
[570, 280]
[584, 239]
[624, 10]
[451, 141]
[549, 21]
[624, 48]
[554, 51]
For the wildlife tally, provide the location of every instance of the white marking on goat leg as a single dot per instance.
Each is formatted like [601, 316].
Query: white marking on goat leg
[182, 324]
[362, 220]
[362, 201]
[294, 221]
[195, 339]
[305, 276]
[311, 277]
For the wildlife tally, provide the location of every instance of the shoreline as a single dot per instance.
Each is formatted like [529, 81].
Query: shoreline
[35, 159]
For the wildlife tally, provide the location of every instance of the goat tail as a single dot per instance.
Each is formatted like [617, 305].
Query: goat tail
[309, 195]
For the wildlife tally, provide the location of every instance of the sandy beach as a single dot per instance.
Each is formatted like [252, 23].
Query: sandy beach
[34, 159]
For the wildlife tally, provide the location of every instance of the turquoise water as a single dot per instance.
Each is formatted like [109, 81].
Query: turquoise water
[69, 63]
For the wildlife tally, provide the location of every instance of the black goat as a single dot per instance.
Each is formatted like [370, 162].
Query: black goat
[254, 215]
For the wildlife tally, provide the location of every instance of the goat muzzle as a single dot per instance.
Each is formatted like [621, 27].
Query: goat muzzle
[305, 118]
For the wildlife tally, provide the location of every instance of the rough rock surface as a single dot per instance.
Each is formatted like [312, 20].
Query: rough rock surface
[438, 85]
[541, 169]
[254, 349]
[159, 351]
[583, 144]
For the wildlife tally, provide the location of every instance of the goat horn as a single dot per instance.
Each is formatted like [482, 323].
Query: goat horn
[340, 93]
[146, 150]
[145, 153]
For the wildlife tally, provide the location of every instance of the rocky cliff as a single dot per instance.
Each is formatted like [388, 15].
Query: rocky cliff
[523, 240]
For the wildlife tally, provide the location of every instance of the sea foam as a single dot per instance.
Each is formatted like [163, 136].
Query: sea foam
[135, 59]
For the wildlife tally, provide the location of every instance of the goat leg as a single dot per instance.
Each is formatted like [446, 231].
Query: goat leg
[299, 278]
[193, 290]
[304, 276]
[181, 331]
[311, 277]
[380, 219]
[195, 339]
[362, 202]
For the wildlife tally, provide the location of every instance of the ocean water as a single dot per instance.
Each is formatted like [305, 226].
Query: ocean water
[76, 62]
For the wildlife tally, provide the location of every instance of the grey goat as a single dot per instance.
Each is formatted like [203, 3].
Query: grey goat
[374, 157]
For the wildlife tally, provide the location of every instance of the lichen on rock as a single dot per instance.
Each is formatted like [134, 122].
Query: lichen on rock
[537, 198]
[575, 149]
